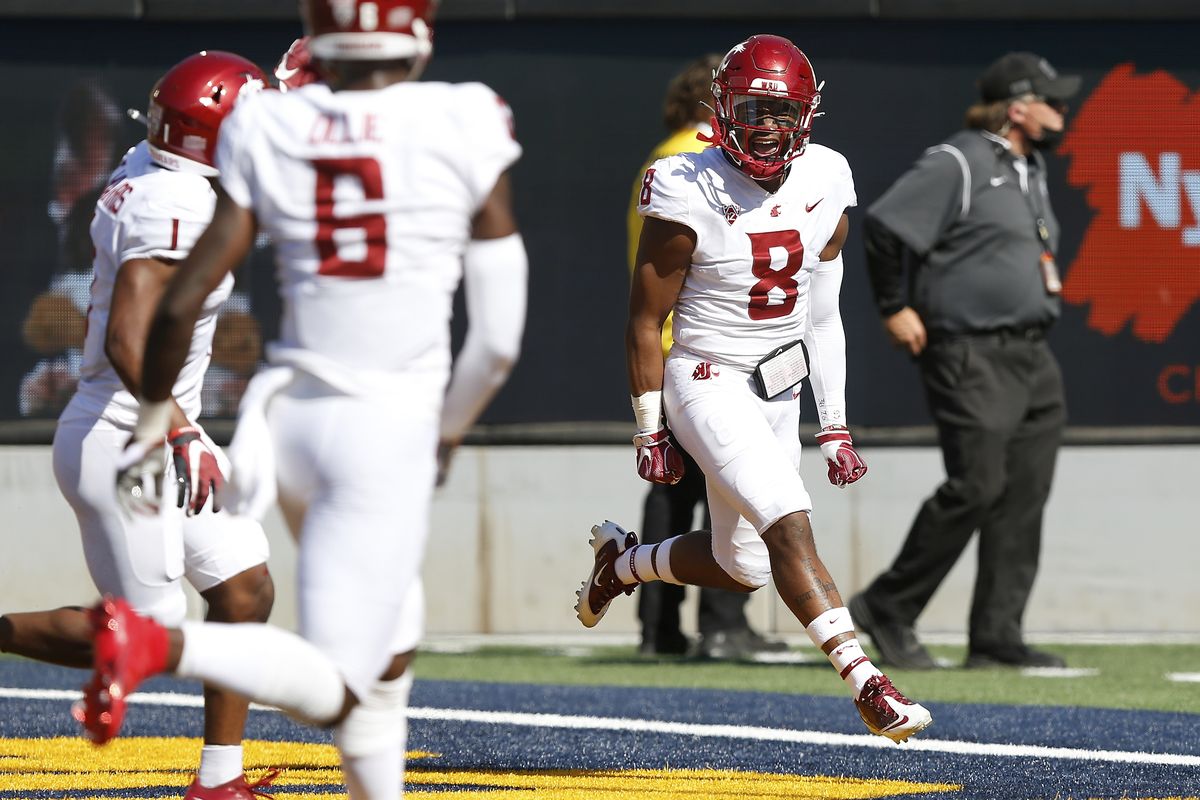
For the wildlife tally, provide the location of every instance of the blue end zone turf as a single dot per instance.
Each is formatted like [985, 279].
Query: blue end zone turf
[472, 733]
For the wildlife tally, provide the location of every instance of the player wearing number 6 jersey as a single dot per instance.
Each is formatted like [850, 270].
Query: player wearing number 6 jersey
[379, 194]
[743, 241]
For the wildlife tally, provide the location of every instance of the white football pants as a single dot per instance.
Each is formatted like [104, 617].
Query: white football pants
[749, 450]
[137, 557]
[363, 469]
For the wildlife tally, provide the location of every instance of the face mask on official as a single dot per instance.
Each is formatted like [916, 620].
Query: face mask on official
[1043, 124]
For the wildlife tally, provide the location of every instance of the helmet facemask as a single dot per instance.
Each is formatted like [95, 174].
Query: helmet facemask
[763, 132]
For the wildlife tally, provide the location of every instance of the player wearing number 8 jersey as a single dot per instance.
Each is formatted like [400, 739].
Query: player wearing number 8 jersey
[743, 241]
[379, 194]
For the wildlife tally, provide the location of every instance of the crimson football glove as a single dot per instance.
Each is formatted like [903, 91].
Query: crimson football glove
[296, 67]
[845, 464]
[197, 474]
[658, 460]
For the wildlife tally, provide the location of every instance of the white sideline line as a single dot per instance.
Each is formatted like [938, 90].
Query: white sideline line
[688, 729]
[1184, 677]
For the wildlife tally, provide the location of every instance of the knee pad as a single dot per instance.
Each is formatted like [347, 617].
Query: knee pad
[379, 721]
[168, 610]
[748, 568]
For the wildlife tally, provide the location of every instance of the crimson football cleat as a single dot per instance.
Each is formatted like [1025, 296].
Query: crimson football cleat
[127, 649]
[236, 789]
[889, 713]
[609, 540]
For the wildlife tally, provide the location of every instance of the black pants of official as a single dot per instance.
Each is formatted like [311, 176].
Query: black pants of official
[669, 511]
[999, 407]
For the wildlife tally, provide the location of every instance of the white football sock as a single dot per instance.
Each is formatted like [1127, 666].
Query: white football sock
[848, 658]
[219, 763]
[266, 664]
[646, 562]
[853, 665]
[372, 740]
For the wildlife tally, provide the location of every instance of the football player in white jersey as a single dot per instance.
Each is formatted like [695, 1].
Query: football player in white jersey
[156, 204]
[743, 240]
[379, 194]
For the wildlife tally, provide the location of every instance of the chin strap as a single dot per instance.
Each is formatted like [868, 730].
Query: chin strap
[711, 138]
[716, 140]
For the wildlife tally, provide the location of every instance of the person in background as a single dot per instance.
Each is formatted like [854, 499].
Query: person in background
[962, 258]
[670, 508]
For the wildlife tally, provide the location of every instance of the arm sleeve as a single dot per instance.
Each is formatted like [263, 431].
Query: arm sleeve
[164, 222]
[825, 340]
[888, 260]
[495, 278]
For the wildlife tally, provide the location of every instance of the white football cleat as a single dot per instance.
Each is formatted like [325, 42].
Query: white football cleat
[889, 713]
[609, 540]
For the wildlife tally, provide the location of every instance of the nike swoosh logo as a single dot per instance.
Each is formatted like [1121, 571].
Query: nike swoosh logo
[814, 205]
[283, 74]
[596, 578]
[897, 723]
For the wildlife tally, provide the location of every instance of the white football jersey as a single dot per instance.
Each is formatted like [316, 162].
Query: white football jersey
[368, 197]
[746, 292]
[147, 211]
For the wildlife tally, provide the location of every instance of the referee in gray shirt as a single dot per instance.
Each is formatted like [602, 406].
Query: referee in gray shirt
[961, 254]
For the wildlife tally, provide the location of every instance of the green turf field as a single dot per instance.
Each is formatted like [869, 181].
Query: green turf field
[1127, 676]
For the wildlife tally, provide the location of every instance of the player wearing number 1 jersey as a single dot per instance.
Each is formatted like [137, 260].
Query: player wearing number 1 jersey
[157, 202]
[743, 240]
[379, 194]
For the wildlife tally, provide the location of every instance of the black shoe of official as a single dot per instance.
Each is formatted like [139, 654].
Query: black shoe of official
[723, 646]
[1018, 655]
[664, 644]
[896, 642]
[757, 643]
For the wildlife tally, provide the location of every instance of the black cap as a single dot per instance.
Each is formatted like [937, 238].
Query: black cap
[1015, 74]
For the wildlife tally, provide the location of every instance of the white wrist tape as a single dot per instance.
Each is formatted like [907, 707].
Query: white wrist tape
[154, 420]
[647, 410]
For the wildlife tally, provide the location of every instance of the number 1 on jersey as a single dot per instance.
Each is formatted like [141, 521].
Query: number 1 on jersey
[372, 227]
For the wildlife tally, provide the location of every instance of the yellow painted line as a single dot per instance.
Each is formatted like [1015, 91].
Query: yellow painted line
[152, 764]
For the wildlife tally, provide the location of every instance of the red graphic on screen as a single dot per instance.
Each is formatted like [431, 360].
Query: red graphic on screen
[1135, 149]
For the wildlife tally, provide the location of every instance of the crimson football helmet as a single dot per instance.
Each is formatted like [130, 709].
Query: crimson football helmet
[766, 95]
[371, 30]
[190, 101]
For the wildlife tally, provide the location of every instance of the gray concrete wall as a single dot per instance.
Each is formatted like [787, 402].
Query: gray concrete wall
[509, 541]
